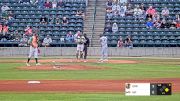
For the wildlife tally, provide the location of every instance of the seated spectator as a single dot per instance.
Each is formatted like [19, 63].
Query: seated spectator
[114, 28]
[157, 24]
[47, 41]
[28, 30]
[109, 4]
[122, 10]
[57, 21]
[156, 17]
[173, 25]
[116, 13]
[23, 41]
[43, 20]
[48, 4]
[149, 23]
[5, 29]
[150, 12]
[129, 11]
[137, 13]
[109, 15]
[108, 28]
[128, 42]
[165, 12]
[142, 7]
[60, 4]
[178, 24]
[164, 24]
[64, 21]
[4, 8]
[1, 28]
[51, 20]
[108, 9]
[54, 4]
[120, 42]
[116, 7]
[69, 37]
[34, 2]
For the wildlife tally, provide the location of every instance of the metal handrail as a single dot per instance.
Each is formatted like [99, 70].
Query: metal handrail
[94, 18]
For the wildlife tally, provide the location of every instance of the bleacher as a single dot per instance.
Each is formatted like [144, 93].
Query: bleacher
[28, 14]
[141, 36]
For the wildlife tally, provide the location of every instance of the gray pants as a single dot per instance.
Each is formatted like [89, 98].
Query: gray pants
[104, 53]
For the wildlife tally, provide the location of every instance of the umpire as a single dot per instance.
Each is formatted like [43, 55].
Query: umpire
[86, 45]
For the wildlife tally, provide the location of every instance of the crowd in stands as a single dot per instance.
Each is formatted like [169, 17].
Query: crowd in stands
[153, 18]
[7, 17]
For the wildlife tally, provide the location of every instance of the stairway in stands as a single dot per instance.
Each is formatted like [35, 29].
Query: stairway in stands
[99, 21]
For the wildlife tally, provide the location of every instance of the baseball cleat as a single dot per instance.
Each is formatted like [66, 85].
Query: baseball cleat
[27, 64]
[38, 64]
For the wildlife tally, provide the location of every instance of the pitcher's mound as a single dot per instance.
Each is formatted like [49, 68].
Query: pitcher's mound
[60, 67]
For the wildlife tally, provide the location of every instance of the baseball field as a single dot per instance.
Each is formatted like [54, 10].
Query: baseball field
[60, 79]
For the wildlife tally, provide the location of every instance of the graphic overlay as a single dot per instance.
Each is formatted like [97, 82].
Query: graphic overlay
[148, 89]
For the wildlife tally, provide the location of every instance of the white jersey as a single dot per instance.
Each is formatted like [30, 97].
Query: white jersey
[103, 41]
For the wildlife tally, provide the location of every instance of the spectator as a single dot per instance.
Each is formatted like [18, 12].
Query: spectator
[108, 28]
[64, 21]
[60, 4]
[57, 20]
[157, 24]
[116, 12]
[5, 29]
[128, 42]
[80, 13]
[10, 20]
[142, 7]
[129, 11]
[177, 18]
[165, 12]
[28, 30]
[115, 27]
[137, 13]
[47, 41]
[173, 25]
[54, 4]
[69, 37]
[51, 20]
[1, 28]
[120, 42]
[164, 24]
[109, 4]
[23, 41]
[178, 25]
[109, 15]
[43, 20]
[156, 17]
[116, 7]
[150, 12]
[4, 8]
[122, 10]
[48, 4]
[149, 23]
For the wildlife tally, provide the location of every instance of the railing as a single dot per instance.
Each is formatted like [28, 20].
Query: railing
[94, 18]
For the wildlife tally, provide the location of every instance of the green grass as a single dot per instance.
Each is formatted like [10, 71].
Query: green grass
[146, 68]
[83, 97]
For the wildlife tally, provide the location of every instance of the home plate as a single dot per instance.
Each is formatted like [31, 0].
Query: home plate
[33, 82]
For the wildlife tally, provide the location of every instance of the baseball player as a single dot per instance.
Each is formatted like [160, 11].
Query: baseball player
[33, 41]
[80, 40]
[104, 48]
